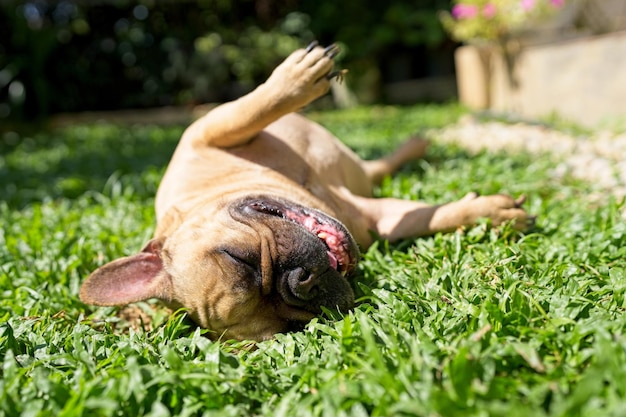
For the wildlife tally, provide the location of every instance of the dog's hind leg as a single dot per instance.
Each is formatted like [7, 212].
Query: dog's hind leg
[303, 77]
[395, 219]
[378, 169]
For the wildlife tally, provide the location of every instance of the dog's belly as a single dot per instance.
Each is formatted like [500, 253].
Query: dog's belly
[308, 154]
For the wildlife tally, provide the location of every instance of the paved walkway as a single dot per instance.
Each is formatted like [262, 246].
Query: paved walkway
[599, 159]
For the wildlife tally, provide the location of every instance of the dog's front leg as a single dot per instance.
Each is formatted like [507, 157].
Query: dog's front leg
[301, 78]
[395, 219]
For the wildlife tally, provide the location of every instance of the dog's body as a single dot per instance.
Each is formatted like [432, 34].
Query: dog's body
[261, 212]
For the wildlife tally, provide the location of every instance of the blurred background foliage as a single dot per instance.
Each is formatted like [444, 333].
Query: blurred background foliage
[75, 55]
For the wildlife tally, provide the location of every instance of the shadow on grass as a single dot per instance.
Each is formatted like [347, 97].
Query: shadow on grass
[69, 162]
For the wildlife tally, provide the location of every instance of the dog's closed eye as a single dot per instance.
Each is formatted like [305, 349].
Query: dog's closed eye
[242, 259]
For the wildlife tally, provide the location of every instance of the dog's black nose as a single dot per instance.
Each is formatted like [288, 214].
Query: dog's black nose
[312, 288]
[303, 284]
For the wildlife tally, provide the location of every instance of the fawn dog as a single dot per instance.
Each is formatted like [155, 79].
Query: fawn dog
[261, 213]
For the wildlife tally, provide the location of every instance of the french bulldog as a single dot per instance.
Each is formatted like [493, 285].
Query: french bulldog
[261, 213]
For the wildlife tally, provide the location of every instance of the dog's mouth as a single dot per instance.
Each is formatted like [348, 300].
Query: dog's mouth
[341, 248]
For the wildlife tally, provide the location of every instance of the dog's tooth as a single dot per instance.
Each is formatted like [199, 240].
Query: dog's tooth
[322, 235]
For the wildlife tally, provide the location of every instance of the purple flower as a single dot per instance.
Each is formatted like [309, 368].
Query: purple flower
[489, 10]
[464, 11]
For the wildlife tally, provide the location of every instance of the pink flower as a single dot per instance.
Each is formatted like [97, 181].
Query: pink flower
[527, 4]
[489, 10]
[464, 11]
[557, 3]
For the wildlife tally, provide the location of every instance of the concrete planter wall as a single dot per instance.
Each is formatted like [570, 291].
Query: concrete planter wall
[582, 79]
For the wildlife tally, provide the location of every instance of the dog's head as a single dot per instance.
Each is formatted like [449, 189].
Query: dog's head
[246, 269]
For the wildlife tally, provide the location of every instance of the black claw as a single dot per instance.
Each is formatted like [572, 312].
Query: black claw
[331, 51]
[311, 46]
[336, 74]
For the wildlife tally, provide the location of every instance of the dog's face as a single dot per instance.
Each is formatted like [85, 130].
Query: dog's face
[246, 269]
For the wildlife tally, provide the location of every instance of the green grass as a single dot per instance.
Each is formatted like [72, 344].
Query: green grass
[487, 322]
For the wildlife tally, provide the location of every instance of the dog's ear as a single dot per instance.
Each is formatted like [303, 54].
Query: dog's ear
[130, 279]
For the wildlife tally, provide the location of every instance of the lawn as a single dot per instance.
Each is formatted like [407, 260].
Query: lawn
[480, 322]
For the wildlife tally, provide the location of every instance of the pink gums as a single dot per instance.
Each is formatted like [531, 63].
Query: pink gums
[332, 237]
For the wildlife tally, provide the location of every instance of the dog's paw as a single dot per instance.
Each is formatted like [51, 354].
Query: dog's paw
[304, 76]
[500, 208]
